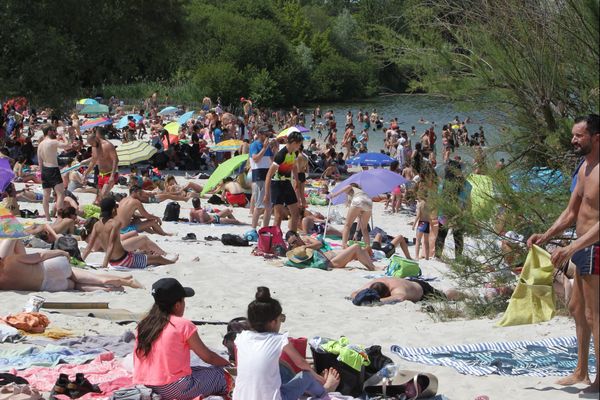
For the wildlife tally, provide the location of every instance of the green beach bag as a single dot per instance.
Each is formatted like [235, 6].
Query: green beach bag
[401, 267]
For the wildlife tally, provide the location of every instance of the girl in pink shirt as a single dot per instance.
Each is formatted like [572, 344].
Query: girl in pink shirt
[161, 360]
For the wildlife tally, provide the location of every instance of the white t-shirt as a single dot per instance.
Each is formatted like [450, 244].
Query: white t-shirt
[258, 365]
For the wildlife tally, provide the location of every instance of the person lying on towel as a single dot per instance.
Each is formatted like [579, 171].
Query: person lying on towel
[393, 290]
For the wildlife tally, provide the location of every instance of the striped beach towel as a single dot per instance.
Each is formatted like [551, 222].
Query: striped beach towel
[548, 357]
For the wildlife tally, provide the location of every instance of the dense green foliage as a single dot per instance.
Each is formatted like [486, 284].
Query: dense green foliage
[277, 52]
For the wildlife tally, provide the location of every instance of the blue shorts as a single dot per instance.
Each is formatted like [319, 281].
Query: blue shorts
[423, 227]
[129, 228]
[587, 260]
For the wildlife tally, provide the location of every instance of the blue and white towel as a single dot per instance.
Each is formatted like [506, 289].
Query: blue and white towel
[548, 357]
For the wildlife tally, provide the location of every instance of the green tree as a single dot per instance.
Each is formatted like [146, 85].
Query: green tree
[220, 79]
[263, 89]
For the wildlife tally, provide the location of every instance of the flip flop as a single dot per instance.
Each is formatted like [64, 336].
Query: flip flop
[189, 237]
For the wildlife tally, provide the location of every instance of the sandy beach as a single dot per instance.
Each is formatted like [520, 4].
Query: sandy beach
[225, 279]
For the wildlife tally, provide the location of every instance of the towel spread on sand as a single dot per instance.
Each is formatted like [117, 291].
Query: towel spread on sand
[24, 356]
[9, 334]
[548, 357]
[533, 299]
[104, 371]
[118, 345]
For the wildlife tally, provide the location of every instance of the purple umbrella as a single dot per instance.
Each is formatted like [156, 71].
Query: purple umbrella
[6, 174]
[302, 129]
[373, 182]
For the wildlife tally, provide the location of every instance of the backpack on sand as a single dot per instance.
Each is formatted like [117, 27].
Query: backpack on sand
[172, 212]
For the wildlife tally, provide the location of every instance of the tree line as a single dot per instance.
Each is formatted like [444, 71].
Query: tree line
[277, 52]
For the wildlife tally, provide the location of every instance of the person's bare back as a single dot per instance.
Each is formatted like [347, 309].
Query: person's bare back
[105, 232]
[48, 153]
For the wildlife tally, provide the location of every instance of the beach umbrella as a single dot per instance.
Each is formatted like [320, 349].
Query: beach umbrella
[223, 171]
[227, 145]
[173, 128]
[168, 110]
[94, 109]
[93, 122]
[10, 227]
[296, 128]
[370, 160]
[482, 193]
[6, 174]
[124, 121]
[373, 182]
[133, 152]
[18, 103]
[185, 117]
[87, 101]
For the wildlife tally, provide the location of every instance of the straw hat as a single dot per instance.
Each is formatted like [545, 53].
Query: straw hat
[299, 254]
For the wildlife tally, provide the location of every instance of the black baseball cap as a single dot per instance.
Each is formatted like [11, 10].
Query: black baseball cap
[170, 291]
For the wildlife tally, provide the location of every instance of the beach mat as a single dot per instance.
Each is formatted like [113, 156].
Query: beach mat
[548, 357]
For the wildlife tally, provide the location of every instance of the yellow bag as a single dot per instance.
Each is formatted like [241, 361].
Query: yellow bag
[533, 299]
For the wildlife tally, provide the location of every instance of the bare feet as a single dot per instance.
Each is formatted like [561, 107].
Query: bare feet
[332, 379]
[133, 283]
[573, 379]
[173, 258]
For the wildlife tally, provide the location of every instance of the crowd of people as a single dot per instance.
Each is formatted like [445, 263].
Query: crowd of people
[67, 159]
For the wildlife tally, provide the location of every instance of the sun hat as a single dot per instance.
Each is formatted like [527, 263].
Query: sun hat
[170, 291]
[299, 254]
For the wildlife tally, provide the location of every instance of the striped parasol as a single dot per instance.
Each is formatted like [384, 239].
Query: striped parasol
[133, 152]
[94, 122]
[227, 145]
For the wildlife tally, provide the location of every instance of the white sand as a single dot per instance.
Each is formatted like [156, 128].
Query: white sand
[225, 280]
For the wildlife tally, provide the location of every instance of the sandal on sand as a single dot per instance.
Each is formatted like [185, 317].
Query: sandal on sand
[189, 236]
[81, 386]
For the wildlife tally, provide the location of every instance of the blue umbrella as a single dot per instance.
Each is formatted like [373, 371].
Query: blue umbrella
[124, 121]
[168, 110]
[373, 182]
[6, 174]
[185, 117]
[370, 160]
[537, 178]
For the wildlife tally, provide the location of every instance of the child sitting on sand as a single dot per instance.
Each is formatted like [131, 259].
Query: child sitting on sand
[258, 353]
[161, 360]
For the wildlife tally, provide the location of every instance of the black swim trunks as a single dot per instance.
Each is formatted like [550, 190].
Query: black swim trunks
[51, 177]
[282, 192]
[429, 292]
[302, 176]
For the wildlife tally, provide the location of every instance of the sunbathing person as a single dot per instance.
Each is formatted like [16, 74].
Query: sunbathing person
[232, 192]
[171, 186]
[392, 290]
[51, 272]
[26, 173]
[131, 241]
[29, 195]
[202, 216]
[107, 230]
[314, 224]
[337, 258]
[63, 225]
[158, 197]
[130, 221]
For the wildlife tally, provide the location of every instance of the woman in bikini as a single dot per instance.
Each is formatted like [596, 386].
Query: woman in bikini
[360, 206]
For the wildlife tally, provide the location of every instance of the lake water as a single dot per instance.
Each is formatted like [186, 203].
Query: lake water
[409, 109]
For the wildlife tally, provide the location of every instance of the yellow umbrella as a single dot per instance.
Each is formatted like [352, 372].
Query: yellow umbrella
[227, 145]
[133, 152]
[173, 128]
[455, 126]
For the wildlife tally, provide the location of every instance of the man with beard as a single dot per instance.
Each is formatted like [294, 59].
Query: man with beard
[583, 210]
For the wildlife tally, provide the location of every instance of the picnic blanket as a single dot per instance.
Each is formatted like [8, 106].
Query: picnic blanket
[21, 356]
[548, 357]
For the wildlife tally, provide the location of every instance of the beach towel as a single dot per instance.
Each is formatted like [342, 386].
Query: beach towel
[104, 370]
[533, 299]
[24, 356]
[118, 345]
[548, 357]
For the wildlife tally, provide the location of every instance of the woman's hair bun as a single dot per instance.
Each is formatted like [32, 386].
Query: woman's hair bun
[262, 294]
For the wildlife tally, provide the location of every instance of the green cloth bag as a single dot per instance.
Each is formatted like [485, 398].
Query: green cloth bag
[400, 267]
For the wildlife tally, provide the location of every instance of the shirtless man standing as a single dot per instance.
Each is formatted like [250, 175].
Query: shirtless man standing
[583, 210]
[51, 272]
[105, 156]
[130, 221]
[48, 161]
[108, 229]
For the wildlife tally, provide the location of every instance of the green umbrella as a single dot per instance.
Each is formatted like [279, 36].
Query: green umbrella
[223, 171]
[94, 109]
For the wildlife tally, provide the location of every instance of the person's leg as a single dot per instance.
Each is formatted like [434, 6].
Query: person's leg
[151, 226]
[83, 277]
[353, 213]
[577, 310]
[194, 186]
[426, 245]
[459, 240]
[278, 214]
[46, 203]
[418, 244]
[256, 213]
[226, 213]
[60, 197]
[267, 215]
[401, 241]
[9, 247]
[294, 217]
[364, 218]
[441, 239]
[434, 228]
[591, 298]
[307, 224]
[142, 243]
[302, 383]
[155, 259]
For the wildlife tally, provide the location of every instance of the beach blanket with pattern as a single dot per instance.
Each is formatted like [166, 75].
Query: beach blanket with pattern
[548, 357]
